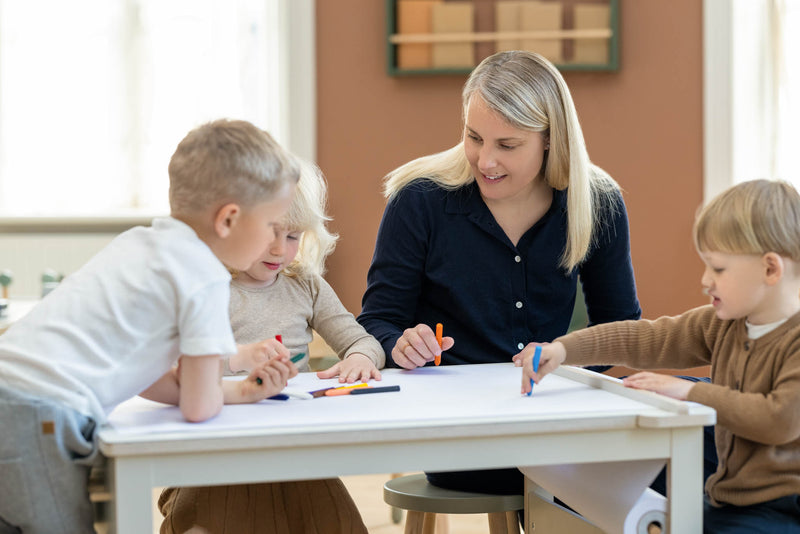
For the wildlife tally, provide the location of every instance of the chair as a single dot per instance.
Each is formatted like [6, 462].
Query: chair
[423, 501]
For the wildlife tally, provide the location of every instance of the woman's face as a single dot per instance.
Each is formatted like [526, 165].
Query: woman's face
[505, 161]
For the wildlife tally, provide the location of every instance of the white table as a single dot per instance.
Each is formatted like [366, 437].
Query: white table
[444, 418]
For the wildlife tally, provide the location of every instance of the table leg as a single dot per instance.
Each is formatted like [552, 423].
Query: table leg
[685, 482]
[132, 510]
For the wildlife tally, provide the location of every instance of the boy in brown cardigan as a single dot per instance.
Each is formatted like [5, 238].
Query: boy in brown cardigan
[749, 239]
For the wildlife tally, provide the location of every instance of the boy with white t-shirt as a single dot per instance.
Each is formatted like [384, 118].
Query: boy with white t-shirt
[116, 327]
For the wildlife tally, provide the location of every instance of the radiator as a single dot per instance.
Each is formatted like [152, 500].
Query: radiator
[29, 255]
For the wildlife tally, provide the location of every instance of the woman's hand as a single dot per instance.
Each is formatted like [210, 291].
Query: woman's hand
[250, 357]
[671, 386]
[354, 367]
[553, 355]
[418, 346]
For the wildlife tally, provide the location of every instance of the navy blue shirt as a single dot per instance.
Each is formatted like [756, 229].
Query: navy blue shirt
[441, 257]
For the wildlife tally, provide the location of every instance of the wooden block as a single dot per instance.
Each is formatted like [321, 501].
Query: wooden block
[453, 17]
[591, 17]
[543, 16]
[507, 19]
[414, 16]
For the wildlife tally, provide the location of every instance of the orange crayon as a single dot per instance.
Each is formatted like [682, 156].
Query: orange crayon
[439, 328]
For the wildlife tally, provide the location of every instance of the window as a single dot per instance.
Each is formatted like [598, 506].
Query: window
[751, 91]
[95, 95]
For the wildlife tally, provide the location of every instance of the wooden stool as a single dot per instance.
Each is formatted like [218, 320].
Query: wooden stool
[423, 501]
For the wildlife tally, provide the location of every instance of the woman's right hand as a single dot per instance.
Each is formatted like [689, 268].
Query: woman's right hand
[418, 346]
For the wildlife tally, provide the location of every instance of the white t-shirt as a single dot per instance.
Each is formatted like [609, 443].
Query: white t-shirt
[119, 323]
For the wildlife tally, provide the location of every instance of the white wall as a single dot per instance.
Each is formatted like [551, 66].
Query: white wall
[29, 254]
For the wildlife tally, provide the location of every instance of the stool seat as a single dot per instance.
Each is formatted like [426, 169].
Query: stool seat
[414, 492]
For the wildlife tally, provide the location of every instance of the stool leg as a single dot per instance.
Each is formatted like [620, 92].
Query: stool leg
[414, 522]
[442, 524]
[429, 524]
[512, 520]
[497, 523]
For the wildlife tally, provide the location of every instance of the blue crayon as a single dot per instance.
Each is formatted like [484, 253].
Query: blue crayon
[536, 355]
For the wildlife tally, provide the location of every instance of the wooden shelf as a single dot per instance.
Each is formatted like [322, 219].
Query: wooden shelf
[427, 37]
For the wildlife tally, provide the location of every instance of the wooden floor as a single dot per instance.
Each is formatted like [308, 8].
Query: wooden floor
[367, 491]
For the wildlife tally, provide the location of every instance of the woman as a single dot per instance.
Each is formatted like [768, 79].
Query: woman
[489, 237]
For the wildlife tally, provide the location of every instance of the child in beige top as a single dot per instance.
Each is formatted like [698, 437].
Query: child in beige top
[283, 293]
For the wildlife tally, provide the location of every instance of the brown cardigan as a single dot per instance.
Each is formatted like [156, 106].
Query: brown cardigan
[755, 389]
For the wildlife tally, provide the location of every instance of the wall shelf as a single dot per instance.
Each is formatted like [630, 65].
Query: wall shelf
[427, 37]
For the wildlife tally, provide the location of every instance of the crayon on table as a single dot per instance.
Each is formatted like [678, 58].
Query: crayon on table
[381, 389]
[439, 331]
[321, 392]
[360, 391]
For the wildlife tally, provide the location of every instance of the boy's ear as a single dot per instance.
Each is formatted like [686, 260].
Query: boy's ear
[226, 218]
[773, 267]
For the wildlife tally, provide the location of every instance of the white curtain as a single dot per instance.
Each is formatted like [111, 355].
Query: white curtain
[96, 94]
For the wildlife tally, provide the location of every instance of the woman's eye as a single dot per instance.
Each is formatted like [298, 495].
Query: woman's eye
[474, 138]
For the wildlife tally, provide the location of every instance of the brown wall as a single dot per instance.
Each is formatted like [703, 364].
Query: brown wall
[642, 123]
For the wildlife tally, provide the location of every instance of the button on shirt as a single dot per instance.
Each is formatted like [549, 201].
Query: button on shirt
[441, 257]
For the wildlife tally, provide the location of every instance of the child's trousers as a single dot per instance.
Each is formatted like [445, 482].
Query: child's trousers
[298, 507]
[779, 516]
[46, 452]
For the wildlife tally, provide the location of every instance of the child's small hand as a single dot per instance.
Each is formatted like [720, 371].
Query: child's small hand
[553, 355]
[354, 367]
[671, 386]
[273, 375]
[418, 346]
[249, 357]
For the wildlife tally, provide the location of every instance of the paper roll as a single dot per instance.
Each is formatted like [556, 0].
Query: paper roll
[612, 495]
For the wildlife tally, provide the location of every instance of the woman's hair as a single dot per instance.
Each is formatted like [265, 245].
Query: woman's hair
[530, 94]
[754, 217]
[307, 214]
[227, 161]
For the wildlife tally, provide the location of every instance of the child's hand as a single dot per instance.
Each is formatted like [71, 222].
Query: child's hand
[274, 374]
[249, 357]
[671, 386]
[553, 355]
[418, 346]
[354, 367]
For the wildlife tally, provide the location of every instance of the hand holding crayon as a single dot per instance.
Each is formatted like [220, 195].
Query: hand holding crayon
[419, 345]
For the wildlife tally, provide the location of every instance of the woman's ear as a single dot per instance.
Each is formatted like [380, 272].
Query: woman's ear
[226, 218]
[773, 267]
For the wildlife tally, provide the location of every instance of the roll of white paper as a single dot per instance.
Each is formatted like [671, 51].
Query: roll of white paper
[612, 495]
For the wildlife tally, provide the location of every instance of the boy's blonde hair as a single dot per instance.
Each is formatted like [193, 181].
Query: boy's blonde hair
[754, 217]
[227, 161]
[530, 94]
[307, 214]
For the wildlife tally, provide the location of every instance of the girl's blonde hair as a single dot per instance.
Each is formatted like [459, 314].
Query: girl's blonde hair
[754, 217]
[530, 94]
[307, 214]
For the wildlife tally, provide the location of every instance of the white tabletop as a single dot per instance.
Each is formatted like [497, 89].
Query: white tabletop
[447, 417]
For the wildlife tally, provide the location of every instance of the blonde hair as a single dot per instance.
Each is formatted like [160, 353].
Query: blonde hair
[754, 217]
[227, 161]
[307, 214]
[530, 94]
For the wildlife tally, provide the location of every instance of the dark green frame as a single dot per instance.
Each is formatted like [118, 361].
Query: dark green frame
[391, 49]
